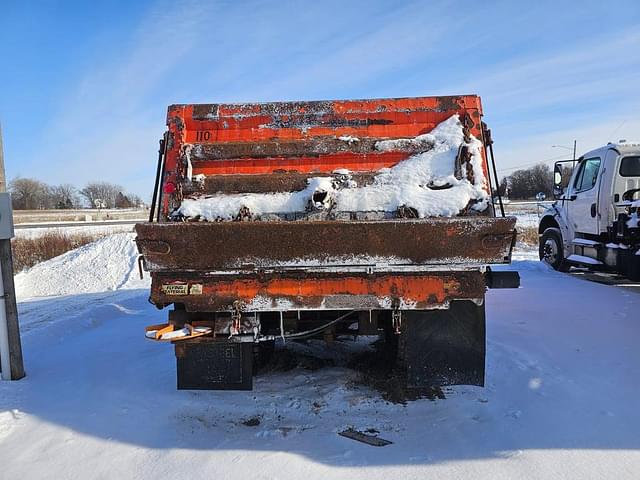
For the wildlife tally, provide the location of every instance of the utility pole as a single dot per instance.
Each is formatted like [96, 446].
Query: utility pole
[574, 150]
[11, 365]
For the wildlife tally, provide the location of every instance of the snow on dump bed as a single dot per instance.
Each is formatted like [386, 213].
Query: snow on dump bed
[404, 184]
[106, 264]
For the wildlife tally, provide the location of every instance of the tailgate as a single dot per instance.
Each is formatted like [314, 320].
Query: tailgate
[399, 244]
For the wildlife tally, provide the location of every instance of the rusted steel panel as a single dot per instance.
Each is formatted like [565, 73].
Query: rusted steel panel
[266, 128]
[395, 117]
[272, 182]
[300, 291]
[281, 148]
[255, 245]
[249, 110]
[299, 137]
[321, 164]
[317, 154]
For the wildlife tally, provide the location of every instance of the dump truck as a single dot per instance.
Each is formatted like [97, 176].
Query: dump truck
[593, 222]
[285, 221]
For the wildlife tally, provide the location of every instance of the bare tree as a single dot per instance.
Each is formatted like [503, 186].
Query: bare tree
[64, 196]
[527, 183]
[29, 194]
[32, 194]
[503, 189]
[122, 201]
[135, 200]
[107, 192]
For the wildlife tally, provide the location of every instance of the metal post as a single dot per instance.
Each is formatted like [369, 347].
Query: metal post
[488, 141]
[9, 314]
[156, 186]
[574, 150]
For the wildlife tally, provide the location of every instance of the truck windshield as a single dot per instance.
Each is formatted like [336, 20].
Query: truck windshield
[630, 167]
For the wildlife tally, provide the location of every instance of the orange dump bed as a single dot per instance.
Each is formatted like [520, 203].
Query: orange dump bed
[241, 147]
[316, 254]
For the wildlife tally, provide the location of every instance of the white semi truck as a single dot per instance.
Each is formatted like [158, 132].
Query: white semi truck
[594, 221]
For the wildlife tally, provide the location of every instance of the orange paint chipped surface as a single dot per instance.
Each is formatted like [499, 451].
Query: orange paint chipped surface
[412, 289]
[310, 291]
[325, 163]
[249, 124]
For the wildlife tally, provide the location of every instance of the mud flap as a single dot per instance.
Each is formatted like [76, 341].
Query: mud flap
[214, 365]
[629, 264]
[444, 347]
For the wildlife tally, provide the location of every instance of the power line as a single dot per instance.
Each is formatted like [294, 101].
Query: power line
[610, 137]
[532, 163]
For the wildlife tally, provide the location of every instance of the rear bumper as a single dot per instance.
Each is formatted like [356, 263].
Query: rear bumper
[282, 291]
[279, 266]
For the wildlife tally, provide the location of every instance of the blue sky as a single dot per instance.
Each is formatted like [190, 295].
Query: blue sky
[85, 85]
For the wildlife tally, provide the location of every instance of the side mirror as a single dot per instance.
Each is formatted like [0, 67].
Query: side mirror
[557, 182]
[540, 196]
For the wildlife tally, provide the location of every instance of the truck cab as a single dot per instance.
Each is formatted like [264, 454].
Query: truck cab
[594, 220]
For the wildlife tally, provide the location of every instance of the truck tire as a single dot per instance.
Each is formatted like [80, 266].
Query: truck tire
[551, 249]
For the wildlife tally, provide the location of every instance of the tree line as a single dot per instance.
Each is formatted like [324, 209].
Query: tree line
[527, 183]
[32, 194]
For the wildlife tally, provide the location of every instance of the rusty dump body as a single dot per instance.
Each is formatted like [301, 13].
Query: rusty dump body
[229, 269]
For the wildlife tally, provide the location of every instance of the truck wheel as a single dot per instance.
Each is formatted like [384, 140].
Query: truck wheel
[551, 249]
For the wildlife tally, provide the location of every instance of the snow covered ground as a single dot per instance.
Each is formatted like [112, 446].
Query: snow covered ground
[110, 263]
[73, 230]
[100, 401]
[528, 213]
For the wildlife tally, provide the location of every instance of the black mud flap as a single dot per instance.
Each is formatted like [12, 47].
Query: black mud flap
[445, 347]
[214, 365]
[629, 264]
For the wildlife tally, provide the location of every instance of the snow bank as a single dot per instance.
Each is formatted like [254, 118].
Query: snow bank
[407, 183]
[106, 264]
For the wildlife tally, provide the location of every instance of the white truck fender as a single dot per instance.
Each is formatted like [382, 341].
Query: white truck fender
[553, 218]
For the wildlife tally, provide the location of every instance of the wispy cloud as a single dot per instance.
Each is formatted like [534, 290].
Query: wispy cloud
[389, 42]
[106, 126]
[541, 85]
[585, 91]
[535, 148]
[602, 67]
